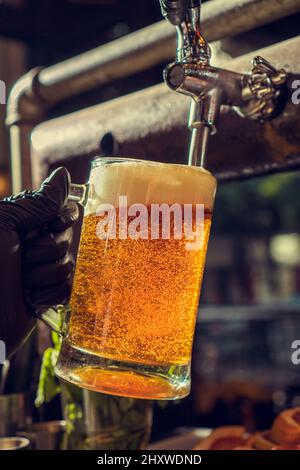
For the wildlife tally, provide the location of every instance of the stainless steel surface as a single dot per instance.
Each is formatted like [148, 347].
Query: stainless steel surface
[198, 146]
[153, 45]
[243, 313]
[151, 124]
[174, 10]
[262, 90]
[32, 95]
[14, 443]
[4, 373]
[15, 412]
[191, 44]
[197, 81]
[186, 441]
[193, 50]
[255, 96]
[49, 435]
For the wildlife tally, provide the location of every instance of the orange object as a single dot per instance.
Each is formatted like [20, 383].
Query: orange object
[125, 307]
[263, 441]
[244, 448]
[286, 427]
[224, 438]
[284, 435]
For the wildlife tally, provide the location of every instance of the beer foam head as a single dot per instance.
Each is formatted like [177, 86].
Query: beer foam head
[146, 182]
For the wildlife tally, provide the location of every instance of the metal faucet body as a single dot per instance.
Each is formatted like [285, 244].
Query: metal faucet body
[255, 95]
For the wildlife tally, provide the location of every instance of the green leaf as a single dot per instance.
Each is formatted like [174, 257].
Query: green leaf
[48, 386]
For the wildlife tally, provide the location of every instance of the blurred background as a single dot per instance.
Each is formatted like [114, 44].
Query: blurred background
[250, 302]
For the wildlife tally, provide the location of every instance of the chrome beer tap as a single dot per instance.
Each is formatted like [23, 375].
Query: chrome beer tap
[257, 95]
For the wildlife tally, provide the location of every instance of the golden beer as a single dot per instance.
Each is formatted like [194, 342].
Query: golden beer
[134, 300]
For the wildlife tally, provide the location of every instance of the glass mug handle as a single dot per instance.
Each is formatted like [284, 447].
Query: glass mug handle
[78, 193]
[56, 317]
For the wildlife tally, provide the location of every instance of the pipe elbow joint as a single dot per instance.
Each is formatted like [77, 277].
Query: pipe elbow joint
[24, 103]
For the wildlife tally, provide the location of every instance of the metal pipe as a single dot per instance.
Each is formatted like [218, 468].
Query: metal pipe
[174, 10]
[203, 118]
[193, 52]
[198, 146]
[201, 80]
[20, 156]
[32, 95]
[151, 124]
[153, 45]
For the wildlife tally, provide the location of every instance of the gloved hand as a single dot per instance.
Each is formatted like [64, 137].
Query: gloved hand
[35, 264]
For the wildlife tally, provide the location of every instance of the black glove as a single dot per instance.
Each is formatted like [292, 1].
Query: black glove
[35, 264]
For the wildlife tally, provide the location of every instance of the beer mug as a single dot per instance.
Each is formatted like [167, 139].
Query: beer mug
[137, 281]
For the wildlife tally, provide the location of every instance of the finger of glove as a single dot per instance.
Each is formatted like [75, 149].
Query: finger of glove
[47, 248]
[68, 215]
[31, 210]
[47, 296]
[49, 274]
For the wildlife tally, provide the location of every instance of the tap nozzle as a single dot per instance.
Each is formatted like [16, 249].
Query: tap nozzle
[191, 49]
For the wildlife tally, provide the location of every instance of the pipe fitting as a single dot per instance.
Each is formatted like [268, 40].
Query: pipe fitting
[24, 103]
